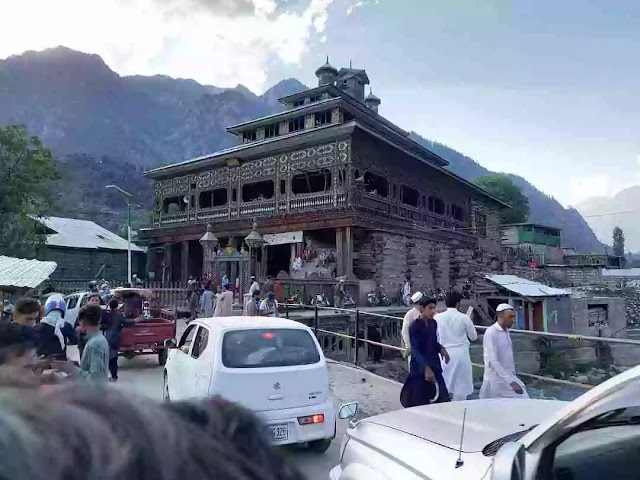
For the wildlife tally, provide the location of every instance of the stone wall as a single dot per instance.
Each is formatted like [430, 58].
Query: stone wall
[389, 258]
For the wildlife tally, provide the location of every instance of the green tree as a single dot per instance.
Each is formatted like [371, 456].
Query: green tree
[502, 187]
[618, 242]
[26, 169]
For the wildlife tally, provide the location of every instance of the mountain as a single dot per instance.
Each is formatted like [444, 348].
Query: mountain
[624, 204]
[77, 104]
[544, 209]
[105, 128]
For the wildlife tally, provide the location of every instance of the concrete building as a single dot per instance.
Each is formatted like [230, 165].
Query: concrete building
[533, 243]
[335, 189]
[84, 250]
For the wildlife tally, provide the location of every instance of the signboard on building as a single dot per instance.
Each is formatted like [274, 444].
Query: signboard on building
[282, 238]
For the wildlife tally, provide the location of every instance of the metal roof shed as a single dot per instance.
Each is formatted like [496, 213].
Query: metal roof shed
[18, 273]
[526, 288]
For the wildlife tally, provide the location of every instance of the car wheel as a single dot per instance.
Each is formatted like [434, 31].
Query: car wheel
[320, 446]
[162, 356]
[165, 387]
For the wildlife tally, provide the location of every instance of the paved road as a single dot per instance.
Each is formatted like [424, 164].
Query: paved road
[143, 375]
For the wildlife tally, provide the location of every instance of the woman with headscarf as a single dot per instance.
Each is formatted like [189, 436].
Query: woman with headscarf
[53, 333]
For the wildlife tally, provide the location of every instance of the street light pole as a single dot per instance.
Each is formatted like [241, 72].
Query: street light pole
[128, 197]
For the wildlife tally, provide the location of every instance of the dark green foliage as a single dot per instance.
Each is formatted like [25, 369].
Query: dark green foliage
[618, 242]
[544, 209]
[26, 168]
[552, 361]
[502, 187]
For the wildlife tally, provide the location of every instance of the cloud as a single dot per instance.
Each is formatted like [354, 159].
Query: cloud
[582, 188]
[360, 4]
[221, 42]
[218, 7]
[353, 7]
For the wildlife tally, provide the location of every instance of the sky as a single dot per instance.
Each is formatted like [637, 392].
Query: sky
[545, 89]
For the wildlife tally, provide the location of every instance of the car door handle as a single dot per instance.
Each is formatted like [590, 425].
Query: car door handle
[278, 396]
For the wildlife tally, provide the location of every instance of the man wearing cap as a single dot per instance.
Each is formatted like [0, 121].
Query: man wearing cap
[254, 286]
[410, 317]
[456, 331]
[500, 379]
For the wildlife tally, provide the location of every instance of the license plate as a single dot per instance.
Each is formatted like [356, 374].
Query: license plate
[280, 432]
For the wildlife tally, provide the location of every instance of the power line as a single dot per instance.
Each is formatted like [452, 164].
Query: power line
[610, 214]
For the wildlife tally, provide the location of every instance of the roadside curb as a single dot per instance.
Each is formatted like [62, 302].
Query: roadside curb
[364, 371]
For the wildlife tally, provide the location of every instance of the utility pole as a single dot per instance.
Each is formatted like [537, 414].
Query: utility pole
[128, 198]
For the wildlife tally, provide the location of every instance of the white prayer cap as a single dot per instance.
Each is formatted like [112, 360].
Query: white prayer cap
[504, 306]
[415, 298]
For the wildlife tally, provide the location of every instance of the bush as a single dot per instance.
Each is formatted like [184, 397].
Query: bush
[552, 361]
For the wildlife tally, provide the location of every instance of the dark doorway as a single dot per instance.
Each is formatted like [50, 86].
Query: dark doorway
[278, 258]
[195, 259]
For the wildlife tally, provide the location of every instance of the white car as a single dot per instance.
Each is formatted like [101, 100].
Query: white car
[75, 302]
[597, 436]
[272, 366]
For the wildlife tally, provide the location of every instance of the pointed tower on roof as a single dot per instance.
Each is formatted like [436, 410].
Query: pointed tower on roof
[326, 74]
[372, 102]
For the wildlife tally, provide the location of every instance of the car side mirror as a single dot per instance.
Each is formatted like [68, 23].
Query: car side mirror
[508, 463]
[348, 410]
[171, 343]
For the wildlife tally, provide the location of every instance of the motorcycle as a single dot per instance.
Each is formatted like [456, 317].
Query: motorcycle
[320, 300]
[377, 298]
[348, 300]
[294, 302]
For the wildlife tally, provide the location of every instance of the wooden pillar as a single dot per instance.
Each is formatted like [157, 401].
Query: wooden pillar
[184, 267]
[340, 251]
[263, 261]
[166, 271]
[348, 253]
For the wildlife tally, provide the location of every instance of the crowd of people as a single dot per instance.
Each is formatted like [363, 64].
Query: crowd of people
[63, 409]
[437, 348]
[204, 302]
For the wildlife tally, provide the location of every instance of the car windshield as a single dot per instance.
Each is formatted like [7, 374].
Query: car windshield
[261, 347]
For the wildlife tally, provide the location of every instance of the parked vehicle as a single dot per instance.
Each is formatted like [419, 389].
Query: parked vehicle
[272, 366]
[294, 301]
[152, 328]
[75, 302]
[377, 298]
[596, 436]
[320, 299]
[348, 300]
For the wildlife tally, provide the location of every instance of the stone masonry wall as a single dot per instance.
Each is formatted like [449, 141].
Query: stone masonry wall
[389, 258]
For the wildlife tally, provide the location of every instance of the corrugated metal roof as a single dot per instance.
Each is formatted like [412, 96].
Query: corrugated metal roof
[624, 272]
[74, 233]
[526, 288]
[19, 272]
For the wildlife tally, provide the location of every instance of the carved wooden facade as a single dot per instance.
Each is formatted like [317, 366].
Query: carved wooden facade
[184, 192]
[346, 161]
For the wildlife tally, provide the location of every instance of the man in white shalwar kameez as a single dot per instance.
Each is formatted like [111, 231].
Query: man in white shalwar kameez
[456, 331]
[410, 317]
[500, 379]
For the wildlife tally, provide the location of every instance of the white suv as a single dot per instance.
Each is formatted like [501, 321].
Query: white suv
[272, 366]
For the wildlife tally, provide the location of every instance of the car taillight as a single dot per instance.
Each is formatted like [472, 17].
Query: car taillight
[311, 419]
